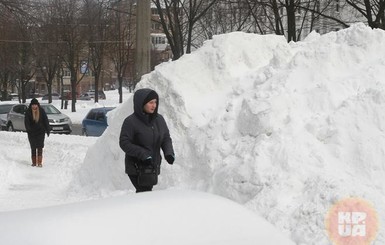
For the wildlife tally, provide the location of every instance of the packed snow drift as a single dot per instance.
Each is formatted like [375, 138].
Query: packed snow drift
[287, 129]
[163, 217]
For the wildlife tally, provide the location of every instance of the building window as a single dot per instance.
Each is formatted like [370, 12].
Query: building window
[158, 40]
[156, 26]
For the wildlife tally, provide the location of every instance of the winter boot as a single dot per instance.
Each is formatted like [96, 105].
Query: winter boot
[33, 161]
[39, 161]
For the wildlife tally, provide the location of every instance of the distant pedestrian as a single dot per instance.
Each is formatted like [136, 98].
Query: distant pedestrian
[142, 135]
[37, 125]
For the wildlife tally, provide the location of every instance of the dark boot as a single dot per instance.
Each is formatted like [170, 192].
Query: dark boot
[33, 161]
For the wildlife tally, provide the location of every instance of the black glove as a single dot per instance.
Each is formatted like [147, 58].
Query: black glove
[48, 134]
[148, 161]
[170, 159]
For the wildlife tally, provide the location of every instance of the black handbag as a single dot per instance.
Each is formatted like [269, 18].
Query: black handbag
[147, 176]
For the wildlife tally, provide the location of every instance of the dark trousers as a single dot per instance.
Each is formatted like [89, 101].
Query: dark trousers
[134, 181]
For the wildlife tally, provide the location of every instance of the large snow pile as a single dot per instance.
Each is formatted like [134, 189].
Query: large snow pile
[163, 217]
[285, 129]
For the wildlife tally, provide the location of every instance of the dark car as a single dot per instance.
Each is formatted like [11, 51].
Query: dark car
[95, 121]
[4, 109]
[59, 122]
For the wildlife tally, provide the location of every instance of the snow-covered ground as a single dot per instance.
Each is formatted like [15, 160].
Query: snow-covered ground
[286, 130]
[163, 217]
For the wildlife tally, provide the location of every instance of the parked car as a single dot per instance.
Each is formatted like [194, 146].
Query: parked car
[91, 95]
[59, 122]
[4, 109]
[55, 96]
[101, 95]
[13, 96]
[95, 121]
[85, 96]
[67, 95]
[35, 95]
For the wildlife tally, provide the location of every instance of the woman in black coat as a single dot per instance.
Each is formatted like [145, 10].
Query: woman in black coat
[36, 125]
[142, 135]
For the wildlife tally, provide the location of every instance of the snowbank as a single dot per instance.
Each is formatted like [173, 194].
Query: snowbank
[285, 129]
[164, 217]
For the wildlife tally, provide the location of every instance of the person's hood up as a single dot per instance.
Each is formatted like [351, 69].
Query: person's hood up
[139, 101]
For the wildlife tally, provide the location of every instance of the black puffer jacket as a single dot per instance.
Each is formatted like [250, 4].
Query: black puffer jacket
[143, 135]
[36, 130]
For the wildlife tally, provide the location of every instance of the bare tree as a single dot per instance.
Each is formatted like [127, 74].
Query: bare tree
[8, 48]
[96, 12]
[73, 30]
[10, 8]
[122, 39]
[171, 19]
[194, 10]
[267, 16]
[25, 55]
[290, 6]
[225, 16]
[323, 10]
[49, 48]
[257, 16]
[178, 19]
[17, 56]
[372, 10]
[292, 17]
[279, 30]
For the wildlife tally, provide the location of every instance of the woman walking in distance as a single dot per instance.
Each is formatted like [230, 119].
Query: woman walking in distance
[37, 125]
[142, 135]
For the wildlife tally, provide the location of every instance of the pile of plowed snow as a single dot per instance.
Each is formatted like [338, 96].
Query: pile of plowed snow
[287, 129]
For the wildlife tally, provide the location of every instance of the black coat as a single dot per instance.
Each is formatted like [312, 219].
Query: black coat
[143, 135]
[36, 130]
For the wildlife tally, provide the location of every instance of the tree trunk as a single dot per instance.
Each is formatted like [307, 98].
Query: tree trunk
[277, 18]
[73, 90]
[291, 28]
[22, 87]
[49, 88]
[120, 89]
[97, 78]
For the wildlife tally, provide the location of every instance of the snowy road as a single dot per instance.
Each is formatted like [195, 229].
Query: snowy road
[76, 129]
[23, 186]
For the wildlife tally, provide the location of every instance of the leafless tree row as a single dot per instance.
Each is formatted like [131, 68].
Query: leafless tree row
[51, 36]
[188, 23]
